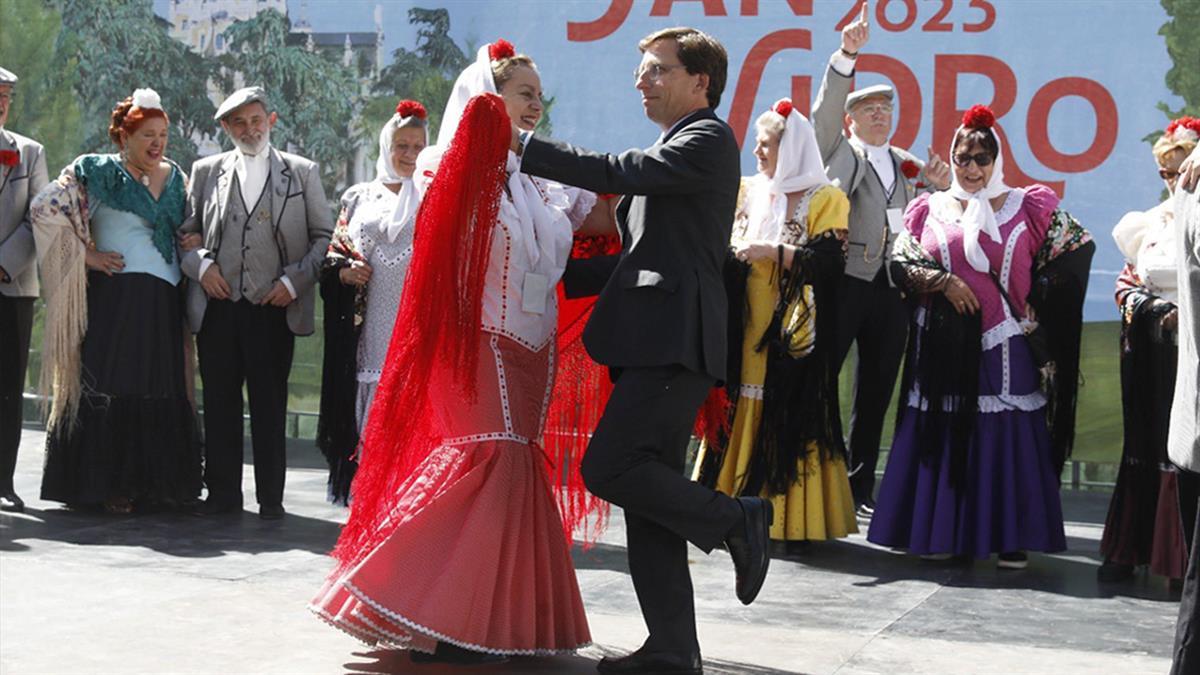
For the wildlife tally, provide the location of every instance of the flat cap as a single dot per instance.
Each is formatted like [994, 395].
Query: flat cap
[240, 98]
[867, 92]
[7, 76]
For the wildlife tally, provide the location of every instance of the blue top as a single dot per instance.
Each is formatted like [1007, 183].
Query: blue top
[127, 219]
[131, 235]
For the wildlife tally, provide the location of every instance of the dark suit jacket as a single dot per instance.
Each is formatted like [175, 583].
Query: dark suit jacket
[662, 299]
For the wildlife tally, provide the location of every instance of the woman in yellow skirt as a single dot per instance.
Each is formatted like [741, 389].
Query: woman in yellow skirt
[786, 439]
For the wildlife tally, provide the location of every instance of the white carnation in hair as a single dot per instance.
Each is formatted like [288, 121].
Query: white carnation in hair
[147, 99]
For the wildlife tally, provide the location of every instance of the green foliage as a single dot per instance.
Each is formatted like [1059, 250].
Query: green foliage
[312, 93]
[426, 74]
[120, 45]
[1182, 35]
[44, 106]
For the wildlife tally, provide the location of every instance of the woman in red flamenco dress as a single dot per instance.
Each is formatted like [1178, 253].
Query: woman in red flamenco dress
[457, 543]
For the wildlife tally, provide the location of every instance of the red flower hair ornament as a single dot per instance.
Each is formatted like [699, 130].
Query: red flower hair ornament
[501, 49]
[783, 107]
[1183, 129]
[979, 117]
[409, 108]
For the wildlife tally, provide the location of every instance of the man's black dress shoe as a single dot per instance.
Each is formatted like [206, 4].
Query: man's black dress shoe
[660, 663]
[749, 546]
[214, 507]
[9, 501]
[270, 511]
[448, 653]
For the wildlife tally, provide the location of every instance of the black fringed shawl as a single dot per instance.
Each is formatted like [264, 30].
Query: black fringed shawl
[800, 405]
[945, 351]
[1060, 278]
[337, 426]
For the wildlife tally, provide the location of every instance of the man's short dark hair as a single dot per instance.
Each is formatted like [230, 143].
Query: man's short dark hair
[699, 52]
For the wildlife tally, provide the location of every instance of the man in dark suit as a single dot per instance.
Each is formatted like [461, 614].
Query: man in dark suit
[22, 176]
[659, 325]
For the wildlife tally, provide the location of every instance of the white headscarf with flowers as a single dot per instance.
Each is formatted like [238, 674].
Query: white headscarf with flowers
[978, 217]
[533, 214]
[407, 200]
[797, 168]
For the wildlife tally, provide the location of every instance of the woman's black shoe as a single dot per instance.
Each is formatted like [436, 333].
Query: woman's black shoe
[1112, 572]
[448, 653]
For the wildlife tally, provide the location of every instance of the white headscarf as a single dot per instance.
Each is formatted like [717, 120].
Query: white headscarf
[407, 200]
[531, 209]
[978, 217]
[797, 168]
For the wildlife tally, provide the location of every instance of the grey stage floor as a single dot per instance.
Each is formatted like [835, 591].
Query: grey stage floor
[82, 593]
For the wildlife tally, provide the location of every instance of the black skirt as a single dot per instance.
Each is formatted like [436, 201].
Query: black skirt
[134, 435]
[1144, 524]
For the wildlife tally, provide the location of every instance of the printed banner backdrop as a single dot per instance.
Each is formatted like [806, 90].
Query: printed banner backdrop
[1075, 84]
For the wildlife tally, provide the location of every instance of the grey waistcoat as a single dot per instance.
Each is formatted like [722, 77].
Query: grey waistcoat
[249, 255]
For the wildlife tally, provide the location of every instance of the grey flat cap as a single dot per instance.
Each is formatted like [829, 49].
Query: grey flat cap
[867, 92]
[7, 76]
[240, 98]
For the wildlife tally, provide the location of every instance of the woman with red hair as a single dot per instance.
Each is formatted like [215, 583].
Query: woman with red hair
[455, 547]
[120, 431]
[988, 397]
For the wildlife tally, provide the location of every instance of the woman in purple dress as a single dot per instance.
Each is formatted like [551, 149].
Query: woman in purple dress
[979, 442]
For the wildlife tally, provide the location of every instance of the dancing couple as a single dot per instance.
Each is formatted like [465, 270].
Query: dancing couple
[457, 542]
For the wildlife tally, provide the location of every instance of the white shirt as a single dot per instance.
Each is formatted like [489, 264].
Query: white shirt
[252, 172]
[880, 157]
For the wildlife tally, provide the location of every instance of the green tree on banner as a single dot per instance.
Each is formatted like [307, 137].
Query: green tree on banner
[44, 106]
[313, 94]
[1182, 34]
[116, 46]
[425, 74]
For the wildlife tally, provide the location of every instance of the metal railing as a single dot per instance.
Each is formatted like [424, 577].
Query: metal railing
[301, 424]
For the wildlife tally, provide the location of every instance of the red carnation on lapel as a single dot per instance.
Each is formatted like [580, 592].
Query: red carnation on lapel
[783, 106]
[910, 169]
[979, 117]
[501, 49]
[410, 108]
[10, 157]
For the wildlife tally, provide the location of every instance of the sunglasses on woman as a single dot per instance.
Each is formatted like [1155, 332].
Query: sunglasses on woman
[1168, 174]
[981, 159]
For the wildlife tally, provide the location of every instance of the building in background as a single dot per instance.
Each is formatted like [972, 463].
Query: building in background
[200, 25]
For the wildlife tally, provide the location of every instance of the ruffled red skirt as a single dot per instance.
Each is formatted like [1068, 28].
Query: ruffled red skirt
[478, 558]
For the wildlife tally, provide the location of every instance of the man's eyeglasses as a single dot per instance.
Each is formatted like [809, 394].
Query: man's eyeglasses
[981, 159]
[654, 71]
[1168, 174]
[874, 108]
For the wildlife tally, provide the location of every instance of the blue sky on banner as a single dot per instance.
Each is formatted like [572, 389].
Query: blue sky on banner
[1076, 81]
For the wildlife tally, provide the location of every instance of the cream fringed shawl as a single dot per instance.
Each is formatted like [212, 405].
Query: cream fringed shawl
[61, 234]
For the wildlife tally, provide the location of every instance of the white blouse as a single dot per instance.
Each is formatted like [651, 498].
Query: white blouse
[1147, 240]
[520, 297]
